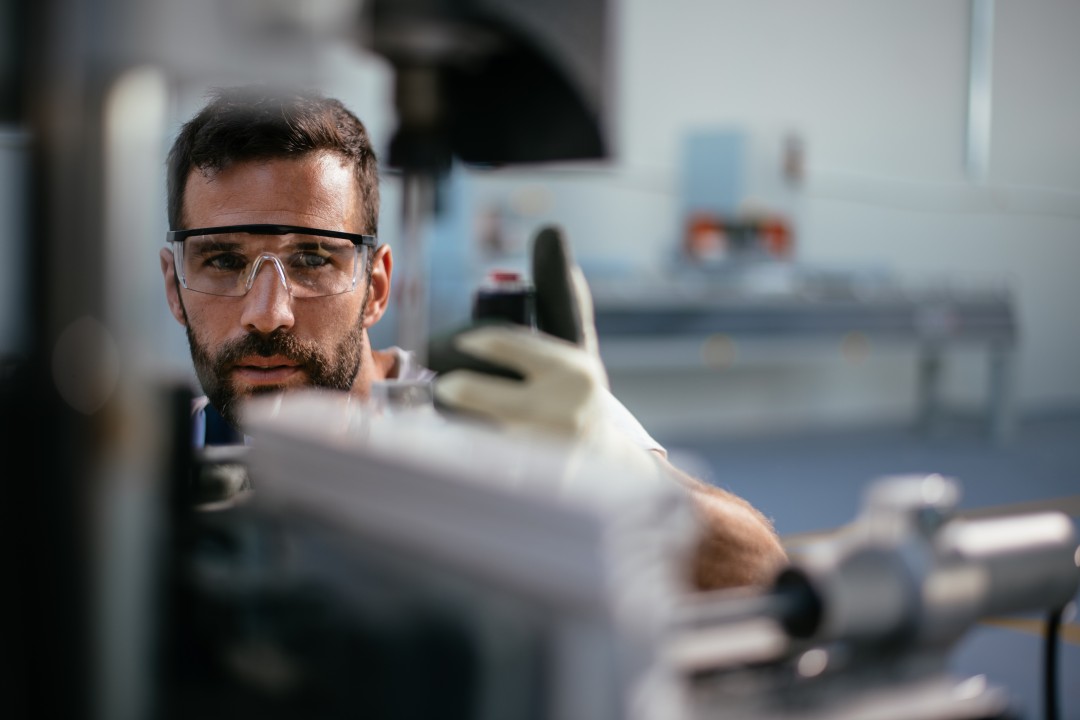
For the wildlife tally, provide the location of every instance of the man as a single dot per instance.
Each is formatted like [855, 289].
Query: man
[273, 268]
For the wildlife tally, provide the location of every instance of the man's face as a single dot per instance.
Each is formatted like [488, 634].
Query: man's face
[268, 340]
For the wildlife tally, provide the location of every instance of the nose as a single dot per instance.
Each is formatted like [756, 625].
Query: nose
[268, 303]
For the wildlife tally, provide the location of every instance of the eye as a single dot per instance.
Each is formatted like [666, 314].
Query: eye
[316, 256]
[310, 260]
[225, 261]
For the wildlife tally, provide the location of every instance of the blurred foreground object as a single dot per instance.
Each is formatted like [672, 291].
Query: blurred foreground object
[399, 563]
[861, 625]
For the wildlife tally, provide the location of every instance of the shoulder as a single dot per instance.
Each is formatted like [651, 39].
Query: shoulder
[620, 416]
[399, 364]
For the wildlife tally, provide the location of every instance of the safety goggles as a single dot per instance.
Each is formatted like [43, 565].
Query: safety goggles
[310, 262]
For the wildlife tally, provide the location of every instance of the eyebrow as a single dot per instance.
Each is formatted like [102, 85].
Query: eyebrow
[214, 243]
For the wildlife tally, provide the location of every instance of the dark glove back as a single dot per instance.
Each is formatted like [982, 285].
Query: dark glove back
[558, 309]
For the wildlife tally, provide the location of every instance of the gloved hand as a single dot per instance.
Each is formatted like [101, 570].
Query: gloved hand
[563, 306]
[561, 394]
[559, 387]
[552, 381]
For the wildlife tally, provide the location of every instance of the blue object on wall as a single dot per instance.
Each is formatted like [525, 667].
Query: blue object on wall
[713, 171]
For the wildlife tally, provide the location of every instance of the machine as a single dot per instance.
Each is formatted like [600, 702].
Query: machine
[421, 544]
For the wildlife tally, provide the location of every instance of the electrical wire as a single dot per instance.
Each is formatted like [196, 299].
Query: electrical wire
[1050, 700]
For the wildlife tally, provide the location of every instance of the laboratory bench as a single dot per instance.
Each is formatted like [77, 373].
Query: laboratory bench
[692, 319]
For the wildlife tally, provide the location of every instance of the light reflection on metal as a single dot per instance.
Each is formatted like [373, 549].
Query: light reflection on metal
[980, 82]
[812, 663]
[410, 280]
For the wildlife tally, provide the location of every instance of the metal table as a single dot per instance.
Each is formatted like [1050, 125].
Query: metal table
[680, 314]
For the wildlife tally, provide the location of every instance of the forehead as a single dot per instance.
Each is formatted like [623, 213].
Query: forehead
[317, 189]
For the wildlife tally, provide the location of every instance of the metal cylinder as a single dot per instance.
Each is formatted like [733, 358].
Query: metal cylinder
[1028, 562]
[908, 571]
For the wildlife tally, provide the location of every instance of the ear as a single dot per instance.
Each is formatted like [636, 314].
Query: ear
[172, 286]
[382, 266]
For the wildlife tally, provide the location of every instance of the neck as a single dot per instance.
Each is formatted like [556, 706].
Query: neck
[376, 365]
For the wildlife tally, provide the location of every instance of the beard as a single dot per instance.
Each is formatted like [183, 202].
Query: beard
[329, 371]
[336, 370]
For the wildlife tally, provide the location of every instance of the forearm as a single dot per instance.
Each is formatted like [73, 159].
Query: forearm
[738, 546]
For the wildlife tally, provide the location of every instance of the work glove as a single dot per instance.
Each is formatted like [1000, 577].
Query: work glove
[558, 391]
[550, 380]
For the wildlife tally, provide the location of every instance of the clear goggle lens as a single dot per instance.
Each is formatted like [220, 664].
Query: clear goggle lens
[308, 265]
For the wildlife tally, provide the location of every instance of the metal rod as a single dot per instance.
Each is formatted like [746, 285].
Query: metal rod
[410, 277]
[980, 84]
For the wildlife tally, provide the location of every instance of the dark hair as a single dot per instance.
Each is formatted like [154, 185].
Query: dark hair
[257, 123]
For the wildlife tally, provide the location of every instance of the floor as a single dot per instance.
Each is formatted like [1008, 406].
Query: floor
[812, 482]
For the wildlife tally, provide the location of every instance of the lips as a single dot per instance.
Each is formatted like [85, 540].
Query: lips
[265, 370]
